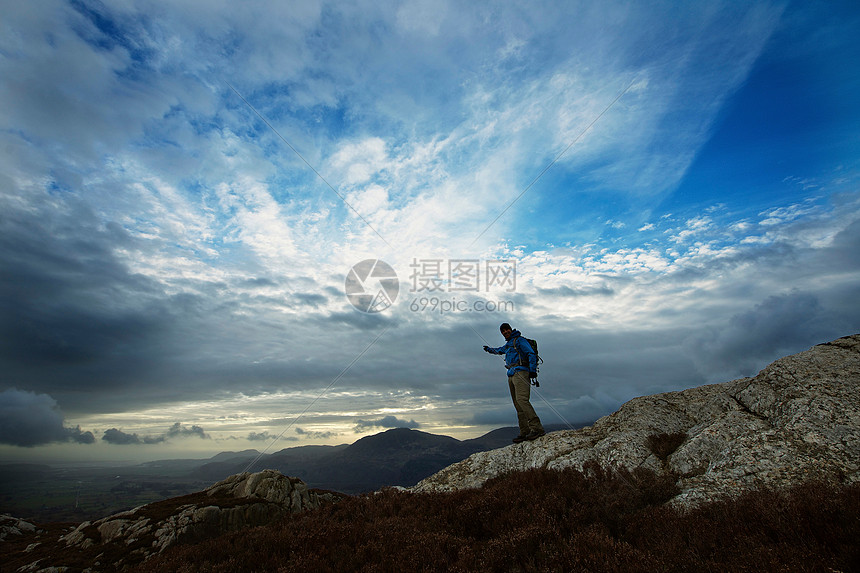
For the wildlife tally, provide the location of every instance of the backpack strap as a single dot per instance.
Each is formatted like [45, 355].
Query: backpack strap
[522, 362]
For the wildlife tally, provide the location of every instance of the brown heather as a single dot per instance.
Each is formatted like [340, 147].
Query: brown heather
[545, 520]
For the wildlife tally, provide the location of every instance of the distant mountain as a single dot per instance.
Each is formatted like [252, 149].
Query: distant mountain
[192, 464]
[395, 457]
[223, 456]
[229, 463]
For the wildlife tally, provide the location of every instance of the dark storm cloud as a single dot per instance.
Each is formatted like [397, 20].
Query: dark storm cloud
[28, 419]
[118, 437]
[386, 422]
[316, 435]
[846, 246]
[74, 317]
[779, 325]
[115, 436]
[76, 435]
[65, 300]
[760, 331]
[501, 416]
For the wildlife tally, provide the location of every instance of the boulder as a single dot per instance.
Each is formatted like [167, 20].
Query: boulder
[12, 526]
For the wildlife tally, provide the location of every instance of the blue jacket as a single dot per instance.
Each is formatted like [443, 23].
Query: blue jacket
[512, 355]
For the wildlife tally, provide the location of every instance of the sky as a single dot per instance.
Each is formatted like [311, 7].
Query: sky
[273, 224]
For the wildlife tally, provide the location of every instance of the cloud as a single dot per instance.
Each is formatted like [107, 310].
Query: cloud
[567, 291]
[30, 419]
[695, 226]
[423, 17]
[71, 306]
[781, 215]
[776, 326]
[76, 435]
[494, 417]
[316, 435]
[260, 436]
[178, 431]
[118, 437]
[115, 436]
[386, 422]
[845, 248]
[552, 409]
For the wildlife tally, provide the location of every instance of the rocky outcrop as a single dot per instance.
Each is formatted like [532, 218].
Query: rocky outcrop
[12, 526]
[125, 539]
[798, 419]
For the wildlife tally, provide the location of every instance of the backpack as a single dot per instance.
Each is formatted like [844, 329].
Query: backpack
[524, 361]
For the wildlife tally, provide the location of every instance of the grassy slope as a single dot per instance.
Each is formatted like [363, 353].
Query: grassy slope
[543, 520]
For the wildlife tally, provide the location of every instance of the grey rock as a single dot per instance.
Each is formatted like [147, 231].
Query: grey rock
[12, 526]
[240, 501]
[798, 419]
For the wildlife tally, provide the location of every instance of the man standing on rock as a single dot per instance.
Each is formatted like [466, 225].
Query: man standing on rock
[521, 362]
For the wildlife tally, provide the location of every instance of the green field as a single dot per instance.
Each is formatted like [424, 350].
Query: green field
[42, 494]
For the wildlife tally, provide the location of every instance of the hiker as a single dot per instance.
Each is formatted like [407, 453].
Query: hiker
[521, 362]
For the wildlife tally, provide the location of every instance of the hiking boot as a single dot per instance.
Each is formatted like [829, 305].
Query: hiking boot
[535, 435]
[520, 438]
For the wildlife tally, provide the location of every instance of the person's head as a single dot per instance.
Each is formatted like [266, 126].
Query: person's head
[506, 330]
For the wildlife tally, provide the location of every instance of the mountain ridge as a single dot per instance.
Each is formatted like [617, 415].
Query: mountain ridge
[395, 457]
